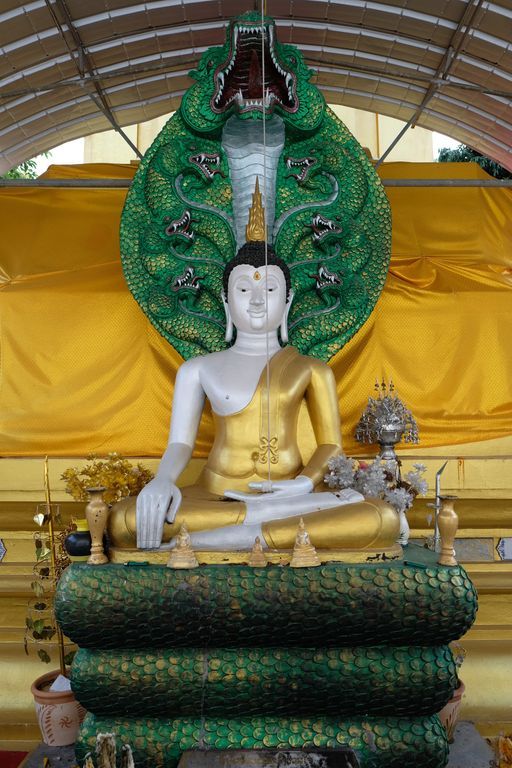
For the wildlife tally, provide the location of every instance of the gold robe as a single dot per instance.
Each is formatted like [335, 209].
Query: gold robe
[262, 437]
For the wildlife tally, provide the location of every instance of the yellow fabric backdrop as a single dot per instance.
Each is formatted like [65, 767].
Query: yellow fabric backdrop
[82, 370]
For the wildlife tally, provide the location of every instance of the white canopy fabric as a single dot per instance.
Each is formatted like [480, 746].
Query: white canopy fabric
[69, 68]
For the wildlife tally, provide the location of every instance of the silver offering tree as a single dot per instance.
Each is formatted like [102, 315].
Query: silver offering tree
[386, 421]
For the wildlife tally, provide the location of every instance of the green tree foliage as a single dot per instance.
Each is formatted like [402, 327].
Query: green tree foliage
[25, 170]
[464, 154]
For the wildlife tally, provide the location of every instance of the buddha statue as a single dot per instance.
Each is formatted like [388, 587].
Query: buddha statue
[254, 483]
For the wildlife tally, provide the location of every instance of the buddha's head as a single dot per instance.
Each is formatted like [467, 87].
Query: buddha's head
[257, 291]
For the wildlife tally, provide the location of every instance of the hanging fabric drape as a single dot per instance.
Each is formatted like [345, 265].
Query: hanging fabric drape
[84, 371]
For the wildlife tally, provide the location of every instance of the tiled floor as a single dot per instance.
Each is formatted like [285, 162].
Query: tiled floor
[469, 749]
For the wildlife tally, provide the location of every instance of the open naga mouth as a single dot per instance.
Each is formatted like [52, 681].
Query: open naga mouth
[325, 278]
[181, 226]
[251, 78]
[322, 227]
[300, 167]
[188, 279]
[207, 162]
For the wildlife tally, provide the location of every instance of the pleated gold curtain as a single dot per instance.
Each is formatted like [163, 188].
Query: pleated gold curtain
[83, 370]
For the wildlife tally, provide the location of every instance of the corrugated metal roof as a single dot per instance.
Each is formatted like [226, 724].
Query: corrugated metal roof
[69, 68]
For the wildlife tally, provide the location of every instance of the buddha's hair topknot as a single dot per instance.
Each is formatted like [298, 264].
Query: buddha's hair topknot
[253, 254]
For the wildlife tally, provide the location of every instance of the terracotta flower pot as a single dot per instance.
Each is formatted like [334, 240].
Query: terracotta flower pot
[449, 715]
[58, 712]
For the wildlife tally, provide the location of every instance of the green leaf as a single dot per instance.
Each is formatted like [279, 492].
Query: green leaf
[68, 658]
[44, 656]
[38, 625]
[38, 588]
[42, 552]
[25, 170]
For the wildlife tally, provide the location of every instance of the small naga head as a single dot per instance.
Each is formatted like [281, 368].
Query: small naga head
[252, 76]
[180, 228]
[327, 284]
[187, 286]
[208, 163]
[187, 280]
[301, 168]
[323, 229]
[182, 289]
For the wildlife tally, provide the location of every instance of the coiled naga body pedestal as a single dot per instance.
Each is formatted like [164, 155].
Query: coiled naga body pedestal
[235, 657]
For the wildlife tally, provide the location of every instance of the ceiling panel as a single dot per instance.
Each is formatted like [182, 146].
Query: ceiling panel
[379, 56]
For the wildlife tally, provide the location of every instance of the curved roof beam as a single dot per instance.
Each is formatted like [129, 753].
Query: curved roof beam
[382, 99]
[402, 52]
[296, 24]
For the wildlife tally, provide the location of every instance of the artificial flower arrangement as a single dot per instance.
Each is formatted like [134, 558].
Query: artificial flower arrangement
[116, 474]
[381, 479]
[378, 479]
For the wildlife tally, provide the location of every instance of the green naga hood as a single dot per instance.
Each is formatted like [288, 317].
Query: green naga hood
[252, 75]
[328, 217]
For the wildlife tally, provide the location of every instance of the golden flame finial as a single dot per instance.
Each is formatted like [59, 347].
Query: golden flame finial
[255, 229]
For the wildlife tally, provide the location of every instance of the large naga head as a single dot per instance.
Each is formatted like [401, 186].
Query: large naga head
[252, 76]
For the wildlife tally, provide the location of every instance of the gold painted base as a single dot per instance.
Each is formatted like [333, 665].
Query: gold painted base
[274, 556]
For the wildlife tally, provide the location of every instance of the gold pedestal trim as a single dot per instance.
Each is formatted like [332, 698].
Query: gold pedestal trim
[274, 556]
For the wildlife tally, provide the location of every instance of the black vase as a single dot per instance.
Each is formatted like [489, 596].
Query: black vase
[78, 544]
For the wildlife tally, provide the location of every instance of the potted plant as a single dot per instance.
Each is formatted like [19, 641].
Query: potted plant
[449, 715]
[58, 713]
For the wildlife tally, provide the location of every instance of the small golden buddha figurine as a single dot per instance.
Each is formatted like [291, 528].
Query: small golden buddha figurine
[304, 553]
[257, 557]
[182, 556]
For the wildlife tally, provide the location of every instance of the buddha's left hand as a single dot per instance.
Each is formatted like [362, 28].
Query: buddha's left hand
[278, 489]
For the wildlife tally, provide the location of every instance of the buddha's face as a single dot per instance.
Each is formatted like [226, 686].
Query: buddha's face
[257, 298]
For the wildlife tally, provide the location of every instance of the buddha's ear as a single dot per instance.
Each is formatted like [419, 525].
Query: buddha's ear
[229, 322]
[283, 330]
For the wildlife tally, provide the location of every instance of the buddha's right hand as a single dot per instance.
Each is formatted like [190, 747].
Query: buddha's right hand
[158, 502]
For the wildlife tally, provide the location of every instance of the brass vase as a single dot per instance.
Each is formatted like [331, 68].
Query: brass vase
[96, 513]
[448, 524]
